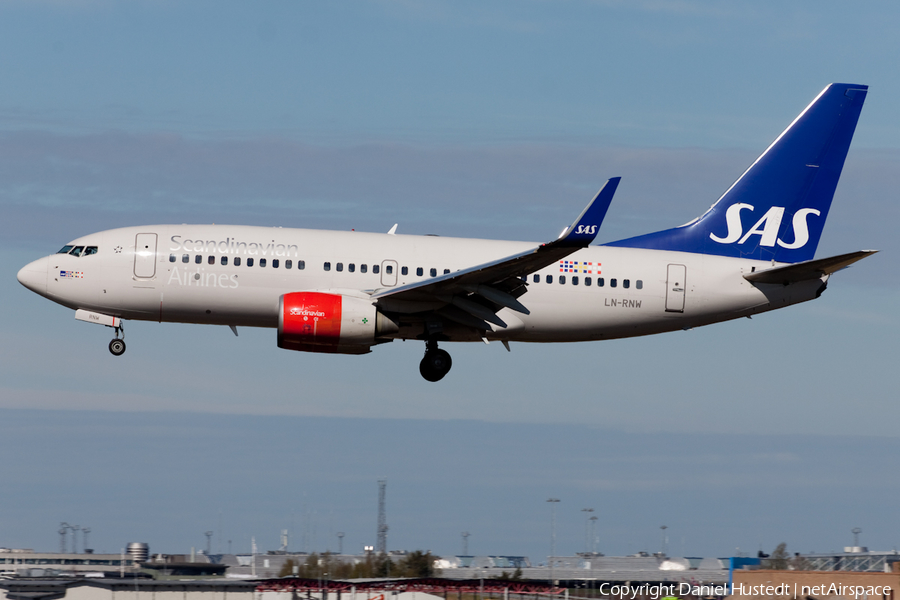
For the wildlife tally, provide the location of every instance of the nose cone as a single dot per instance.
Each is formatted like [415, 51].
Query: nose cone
[34, 275]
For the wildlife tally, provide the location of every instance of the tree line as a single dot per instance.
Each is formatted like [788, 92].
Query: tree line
[327, 566]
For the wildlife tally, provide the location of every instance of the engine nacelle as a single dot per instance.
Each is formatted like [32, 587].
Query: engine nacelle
[320, 322]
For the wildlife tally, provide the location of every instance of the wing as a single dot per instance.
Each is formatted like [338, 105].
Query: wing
[473, 296]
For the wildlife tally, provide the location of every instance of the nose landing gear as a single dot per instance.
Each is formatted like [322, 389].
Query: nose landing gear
[436, 362]
[117, 345]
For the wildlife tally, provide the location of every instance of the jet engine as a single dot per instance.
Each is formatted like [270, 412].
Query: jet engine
[320, 322]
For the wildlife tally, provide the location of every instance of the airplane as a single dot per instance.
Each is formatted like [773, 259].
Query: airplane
[346, 291]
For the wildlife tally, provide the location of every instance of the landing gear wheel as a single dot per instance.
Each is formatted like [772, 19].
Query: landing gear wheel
[117, 347]
[435, 364]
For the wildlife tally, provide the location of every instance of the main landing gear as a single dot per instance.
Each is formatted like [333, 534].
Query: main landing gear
[117, 345]
[436, 362]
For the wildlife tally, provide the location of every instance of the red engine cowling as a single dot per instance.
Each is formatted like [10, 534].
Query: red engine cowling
[320, 322]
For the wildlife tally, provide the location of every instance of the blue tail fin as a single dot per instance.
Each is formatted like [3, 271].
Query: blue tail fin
[776, 210]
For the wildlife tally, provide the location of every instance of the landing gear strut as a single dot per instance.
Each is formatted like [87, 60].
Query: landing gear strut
[436, 362]
[117, 345]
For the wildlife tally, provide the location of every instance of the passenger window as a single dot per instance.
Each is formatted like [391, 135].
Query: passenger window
[626, 283]
[574, 280]
[587, 281]
[612, 283]
[65, 250]
[433, 272]
[536, 278]
[599, 282]
[76, 251]
[171, 258]
[404, 271]
[288, 263]
[363, 268]
[249, 262]
[351, 267]
[211, 260]
[91, 250]
[224, 260]
[339, 267]
[376, 268]
[562, 279]
[327, 266]
[275, 263]
[237, 261]
[301, 264]
[262, 262]
[639, 284]
[446, 271]
[198, 260]
[389, 269]
[185, 258]
[419, 271]
[549, 279]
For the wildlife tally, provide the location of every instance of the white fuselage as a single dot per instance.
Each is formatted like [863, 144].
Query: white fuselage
[187, 274]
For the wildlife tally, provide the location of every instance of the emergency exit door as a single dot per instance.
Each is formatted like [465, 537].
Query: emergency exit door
[675, 287]
[389, 273]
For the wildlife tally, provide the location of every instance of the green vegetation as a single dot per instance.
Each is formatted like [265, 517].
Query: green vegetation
[779, 558]
[514, 576]
[324, 566]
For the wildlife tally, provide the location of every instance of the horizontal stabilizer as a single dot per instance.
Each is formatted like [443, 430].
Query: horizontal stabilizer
[811, 269]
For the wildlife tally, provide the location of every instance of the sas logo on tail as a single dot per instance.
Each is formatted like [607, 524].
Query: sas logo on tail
[586, 229]
[766, 228]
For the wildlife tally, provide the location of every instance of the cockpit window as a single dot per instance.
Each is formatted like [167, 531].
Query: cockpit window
[65, 250]
[90, 250]
[76, 251]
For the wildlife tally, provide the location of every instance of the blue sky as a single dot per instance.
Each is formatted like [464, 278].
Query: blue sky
[491, 120]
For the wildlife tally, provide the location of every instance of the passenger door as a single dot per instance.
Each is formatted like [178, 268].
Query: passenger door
[675, 287]
[145, 255]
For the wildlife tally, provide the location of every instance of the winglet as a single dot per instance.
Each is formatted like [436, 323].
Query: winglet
[583, 231]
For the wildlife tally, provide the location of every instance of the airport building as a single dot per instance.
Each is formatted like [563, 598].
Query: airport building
[31, 563]
[853, 558]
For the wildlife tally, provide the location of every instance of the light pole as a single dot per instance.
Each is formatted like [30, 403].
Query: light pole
[663, 528]
[587, 526]
[593, 521]
[340, 535]
[465, 538]
[553, 502]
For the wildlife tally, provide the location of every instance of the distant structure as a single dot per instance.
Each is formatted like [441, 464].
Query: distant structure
[139, 552]
[465, 548]
[28, 563]
[381, 545]
[64, 528]
[856, 548]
